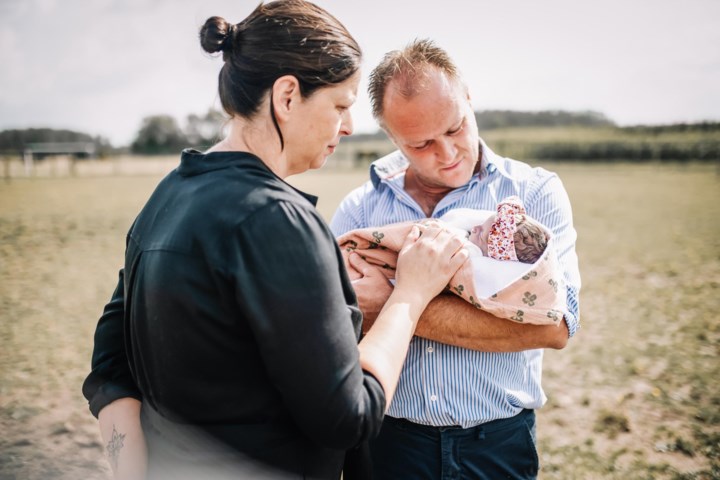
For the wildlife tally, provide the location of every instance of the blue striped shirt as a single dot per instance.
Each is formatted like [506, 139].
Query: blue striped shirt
[442, 384]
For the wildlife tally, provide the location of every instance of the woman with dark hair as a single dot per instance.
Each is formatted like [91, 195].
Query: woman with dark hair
[225, 346]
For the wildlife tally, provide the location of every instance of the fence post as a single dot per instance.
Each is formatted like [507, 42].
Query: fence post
[28, 161]
[6, 162]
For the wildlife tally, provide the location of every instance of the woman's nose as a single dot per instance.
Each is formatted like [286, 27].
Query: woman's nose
[346, 128]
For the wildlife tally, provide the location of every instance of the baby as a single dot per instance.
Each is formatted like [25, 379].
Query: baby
[528, 288]
[510, 234]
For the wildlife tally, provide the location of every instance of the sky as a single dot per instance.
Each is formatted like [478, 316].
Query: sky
[101, 66]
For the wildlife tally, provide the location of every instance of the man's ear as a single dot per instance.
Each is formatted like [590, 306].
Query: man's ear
[285, 94]
[467, 95]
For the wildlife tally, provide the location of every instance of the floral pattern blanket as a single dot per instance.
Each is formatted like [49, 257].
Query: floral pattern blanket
[525, 293]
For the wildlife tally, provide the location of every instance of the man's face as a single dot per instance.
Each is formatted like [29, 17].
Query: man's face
[436, 130]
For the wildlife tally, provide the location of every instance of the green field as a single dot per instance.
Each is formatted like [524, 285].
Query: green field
[584, 144]
[635, 395]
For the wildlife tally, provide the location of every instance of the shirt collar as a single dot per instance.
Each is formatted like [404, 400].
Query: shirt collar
[388, 167]
[193, 162]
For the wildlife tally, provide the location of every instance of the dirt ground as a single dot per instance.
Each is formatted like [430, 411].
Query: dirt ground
[634, 395]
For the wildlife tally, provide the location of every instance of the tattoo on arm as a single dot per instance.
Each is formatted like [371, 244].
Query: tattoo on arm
[114, 446]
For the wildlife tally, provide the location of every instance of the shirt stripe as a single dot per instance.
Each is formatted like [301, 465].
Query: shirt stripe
[442, 384]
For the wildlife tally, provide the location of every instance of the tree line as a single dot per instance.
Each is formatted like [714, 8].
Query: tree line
[162, 134]
[494, 119]
[17, 140]
[158, 134]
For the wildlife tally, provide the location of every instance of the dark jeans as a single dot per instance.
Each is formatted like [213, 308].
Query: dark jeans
[499, 449]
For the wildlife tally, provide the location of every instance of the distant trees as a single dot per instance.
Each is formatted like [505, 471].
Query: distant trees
[495, 119]
[16, 140]
[204, 131]
[578, 136]
[160, 134]
[492, 119]
[701, 127]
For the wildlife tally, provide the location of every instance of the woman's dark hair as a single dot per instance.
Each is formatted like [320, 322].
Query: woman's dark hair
[283, 37]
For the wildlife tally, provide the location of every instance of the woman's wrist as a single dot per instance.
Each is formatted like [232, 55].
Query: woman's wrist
[415, 300]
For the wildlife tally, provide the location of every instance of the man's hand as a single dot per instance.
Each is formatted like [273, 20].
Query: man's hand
[371, 288]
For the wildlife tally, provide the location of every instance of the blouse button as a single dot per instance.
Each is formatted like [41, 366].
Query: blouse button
[433, 398]
[430, 349]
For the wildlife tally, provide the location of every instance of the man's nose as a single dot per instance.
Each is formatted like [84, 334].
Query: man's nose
[446, 150]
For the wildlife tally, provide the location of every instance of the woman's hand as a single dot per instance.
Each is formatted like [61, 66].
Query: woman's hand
[425, 265]
[372, 289]
[428, 259]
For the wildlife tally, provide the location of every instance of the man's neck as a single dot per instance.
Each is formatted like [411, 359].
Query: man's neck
[426, 196]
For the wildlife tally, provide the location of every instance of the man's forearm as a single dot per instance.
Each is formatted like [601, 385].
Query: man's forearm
[451, 320]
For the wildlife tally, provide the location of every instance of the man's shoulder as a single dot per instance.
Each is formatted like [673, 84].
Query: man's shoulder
[357, 194]
[384, 169]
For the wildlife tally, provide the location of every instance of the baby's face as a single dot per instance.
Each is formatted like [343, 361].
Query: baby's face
[479, 234]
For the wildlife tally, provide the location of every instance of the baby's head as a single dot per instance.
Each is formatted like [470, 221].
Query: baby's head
[511, 234]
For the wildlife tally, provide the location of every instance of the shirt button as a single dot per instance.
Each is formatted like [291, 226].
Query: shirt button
[430, 349]
[433, 398]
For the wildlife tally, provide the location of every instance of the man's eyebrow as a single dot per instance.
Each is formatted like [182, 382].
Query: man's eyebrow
[459, 125]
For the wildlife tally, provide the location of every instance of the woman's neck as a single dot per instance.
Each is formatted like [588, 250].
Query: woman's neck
[256, 137]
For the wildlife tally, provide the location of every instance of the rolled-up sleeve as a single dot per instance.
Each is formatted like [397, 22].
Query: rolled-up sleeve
[110, 378]
[291, 285]
[549, 204]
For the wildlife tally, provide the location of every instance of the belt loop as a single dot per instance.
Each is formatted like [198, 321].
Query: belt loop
[480, 433]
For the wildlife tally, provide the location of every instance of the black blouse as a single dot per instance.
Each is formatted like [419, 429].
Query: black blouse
[238, 316]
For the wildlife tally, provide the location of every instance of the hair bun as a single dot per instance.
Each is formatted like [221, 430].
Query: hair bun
[217, 34]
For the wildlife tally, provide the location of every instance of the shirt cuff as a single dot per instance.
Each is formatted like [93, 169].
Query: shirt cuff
[572, 314]
[110, 392]
[572, 324]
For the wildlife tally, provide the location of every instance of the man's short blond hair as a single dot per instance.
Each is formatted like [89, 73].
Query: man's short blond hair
[409, 67]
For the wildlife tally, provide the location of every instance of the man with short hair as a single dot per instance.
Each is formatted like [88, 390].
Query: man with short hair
[464, 407]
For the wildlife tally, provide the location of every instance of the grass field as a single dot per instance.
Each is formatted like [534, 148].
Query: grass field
[635, 395]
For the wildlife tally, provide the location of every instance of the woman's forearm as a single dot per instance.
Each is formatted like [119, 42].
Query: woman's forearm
[123, 439]
[424, 267]
[383, 349]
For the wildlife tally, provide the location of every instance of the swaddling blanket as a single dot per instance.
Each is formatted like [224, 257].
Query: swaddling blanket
[521, 292]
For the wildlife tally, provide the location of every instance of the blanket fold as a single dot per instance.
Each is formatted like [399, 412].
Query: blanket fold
[525, 293]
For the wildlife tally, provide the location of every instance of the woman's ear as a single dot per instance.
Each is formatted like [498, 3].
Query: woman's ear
[285, 94]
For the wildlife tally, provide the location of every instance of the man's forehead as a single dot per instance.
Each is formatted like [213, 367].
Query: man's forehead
[424, 117]
[409, 129]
